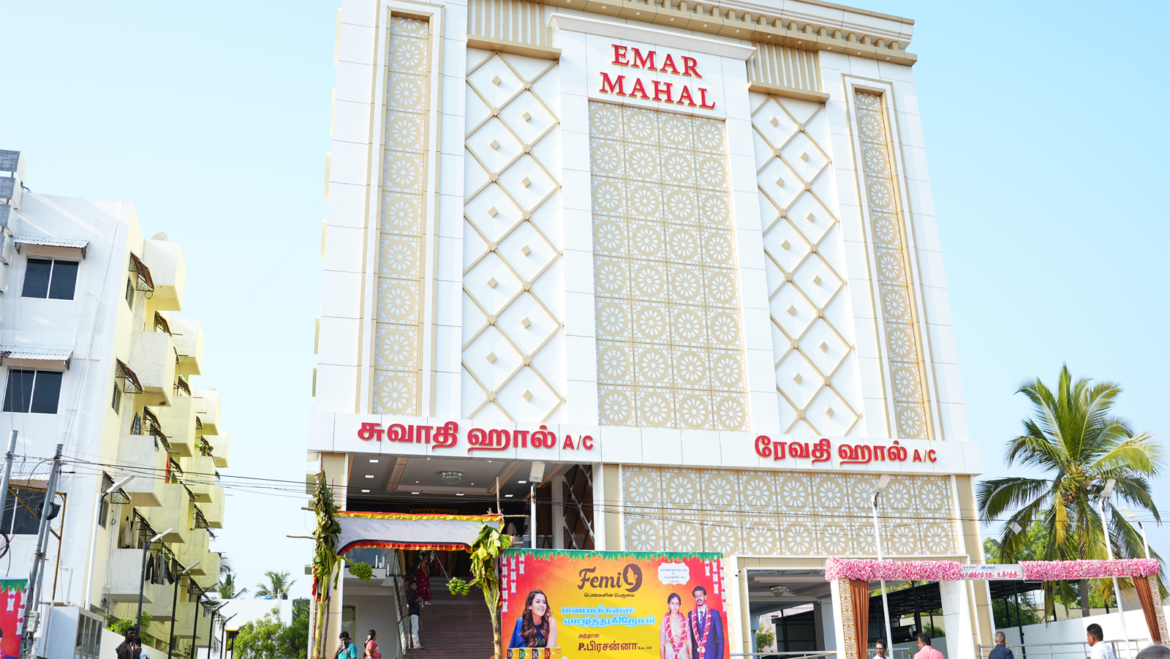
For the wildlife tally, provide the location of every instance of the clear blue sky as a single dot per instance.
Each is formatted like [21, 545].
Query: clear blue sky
[1047, 136]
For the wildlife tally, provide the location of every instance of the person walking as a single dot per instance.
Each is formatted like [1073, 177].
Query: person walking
[413, 607]
[1001, 651]
[372, 646]
[924, 649]
[345, 647]
[423, 578]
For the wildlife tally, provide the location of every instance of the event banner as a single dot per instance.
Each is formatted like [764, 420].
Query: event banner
[578, 604]
[11, 614]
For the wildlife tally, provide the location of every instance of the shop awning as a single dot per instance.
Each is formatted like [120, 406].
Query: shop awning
[405, 531]
[52, 241]
[36, 356]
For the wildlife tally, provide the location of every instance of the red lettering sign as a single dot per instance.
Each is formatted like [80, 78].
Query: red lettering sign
[663, 91]
[822, 450]
[478, 439]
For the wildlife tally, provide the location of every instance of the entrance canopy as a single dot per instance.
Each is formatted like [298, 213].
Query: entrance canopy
[409, 531]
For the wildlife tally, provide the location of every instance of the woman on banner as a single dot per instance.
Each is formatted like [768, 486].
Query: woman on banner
[675, 636]
[536, 628]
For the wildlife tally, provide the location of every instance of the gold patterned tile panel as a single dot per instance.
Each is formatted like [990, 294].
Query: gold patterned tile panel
[785, 513]
[670, 340]
[904, 355]
[402, 222]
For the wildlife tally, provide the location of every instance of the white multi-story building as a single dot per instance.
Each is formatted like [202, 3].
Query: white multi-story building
[93, 358]
[684, 254]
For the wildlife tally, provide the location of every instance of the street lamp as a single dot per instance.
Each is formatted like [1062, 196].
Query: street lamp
[1105, 494]
[175, 605]
[1141, 527]
[142, 578]
[97, 507]
[211, 630]
[882, 484]
[534, 477]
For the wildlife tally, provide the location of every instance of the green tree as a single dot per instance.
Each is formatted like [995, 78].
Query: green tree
[227, 585]
[764, 638]
[260, 639]
[485, 552]
[294, 639]
[300, 608]
[1073, 437]
[277, 586]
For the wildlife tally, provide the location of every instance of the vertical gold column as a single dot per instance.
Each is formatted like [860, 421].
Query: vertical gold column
[398, 340]
[904, 355]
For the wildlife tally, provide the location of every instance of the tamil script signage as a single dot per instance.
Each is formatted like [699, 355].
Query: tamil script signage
[446, 436]
[766, 448]
[858, 454]
[1004, 572]
[613, 604]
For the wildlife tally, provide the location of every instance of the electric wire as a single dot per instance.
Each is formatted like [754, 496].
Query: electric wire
[297, 490]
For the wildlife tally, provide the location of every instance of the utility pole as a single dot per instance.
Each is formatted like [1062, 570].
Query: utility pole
[28, 627]
[7, 470]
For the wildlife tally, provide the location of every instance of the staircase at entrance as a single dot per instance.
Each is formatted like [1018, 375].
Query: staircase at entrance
[453, 627]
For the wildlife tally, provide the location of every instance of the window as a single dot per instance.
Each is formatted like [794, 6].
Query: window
[46, 278]
[32, 391]
[130, 294]
[104, 511]
[22, 505]
[117, 402]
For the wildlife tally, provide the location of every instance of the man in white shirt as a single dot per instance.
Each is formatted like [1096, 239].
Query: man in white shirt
[1098, 649]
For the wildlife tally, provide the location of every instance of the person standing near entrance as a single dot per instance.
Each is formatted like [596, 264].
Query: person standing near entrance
[413, 601]
[924, 649]
[1098, 649]
[706, 628]
[1001, 651]
[879, 651]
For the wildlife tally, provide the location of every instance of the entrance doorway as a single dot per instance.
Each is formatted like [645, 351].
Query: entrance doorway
[793, 607]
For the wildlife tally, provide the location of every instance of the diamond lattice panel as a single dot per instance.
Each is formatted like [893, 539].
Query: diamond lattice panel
[804, 258]
[402, 226]
[785, 513]
[513, 317]
[669, 338]
[903, 352]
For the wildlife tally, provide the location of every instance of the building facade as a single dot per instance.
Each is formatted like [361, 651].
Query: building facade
[96, 359]
[682, 255]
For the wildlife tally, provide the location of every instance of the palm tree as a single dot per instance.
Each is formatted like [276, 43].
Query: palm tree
[227, 585]
[277, 586]
[1075, 439]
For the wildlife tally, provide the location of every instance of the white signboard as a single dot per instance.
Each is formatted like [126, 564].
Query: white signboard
[996, 572]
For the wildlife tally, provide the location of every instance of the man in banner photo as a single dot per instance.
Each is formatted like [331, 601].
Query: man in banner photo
[578, 604]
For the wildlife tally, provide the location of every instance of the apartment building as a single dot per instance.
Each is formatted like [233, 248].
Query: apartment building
[94, 357]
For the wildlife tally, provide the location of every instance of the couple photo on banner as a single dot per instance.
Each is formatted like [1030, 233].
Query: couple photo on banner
[698, 634]
[695, 635]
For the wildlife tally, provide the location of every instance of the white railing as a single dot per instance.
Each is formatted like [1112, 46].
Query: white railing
[1072, 650]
